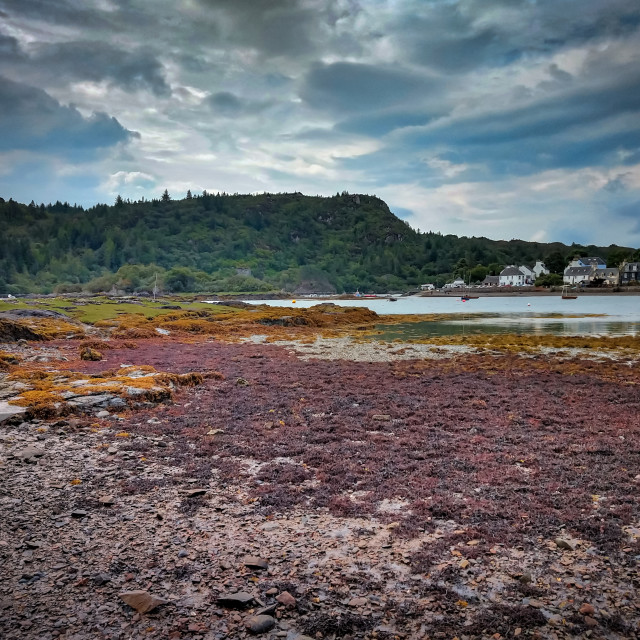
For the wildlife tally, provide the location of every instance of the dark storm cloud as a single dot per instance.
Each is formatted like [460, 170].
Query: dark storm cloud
[32, 120]
[352, 87]
[66, 12]
[9, 48]
[228, 105]
[630, 211]
[460, 36]
[96, 61]
[286, 27]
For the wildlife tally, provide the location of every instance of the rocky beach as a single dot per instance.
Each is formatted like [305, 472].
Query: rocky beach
[283, 476]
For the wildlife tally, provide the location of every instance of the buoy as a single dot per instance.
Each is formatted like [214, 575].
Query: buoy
[293, 302]
[528, 304]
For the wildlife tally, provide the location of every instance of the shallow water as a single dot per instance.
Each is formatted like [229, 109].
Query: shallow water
[590, 314]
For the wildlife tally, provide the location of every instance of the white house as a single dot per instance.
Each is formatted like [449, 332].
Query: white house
[584, 270]
[529, 274]
[427, 287]
[512, 276]
[539, 269]
[579, 272]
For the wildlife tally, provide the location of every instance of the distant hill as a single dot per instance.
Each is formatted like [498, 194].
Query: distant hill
[242, 243]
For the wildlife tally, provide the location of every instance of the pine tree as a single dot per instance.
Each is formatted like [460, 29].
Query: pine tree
[165, 196]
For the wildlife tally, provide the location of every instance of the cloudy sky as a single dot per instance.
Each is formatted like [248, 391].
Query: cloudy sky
[501, 118]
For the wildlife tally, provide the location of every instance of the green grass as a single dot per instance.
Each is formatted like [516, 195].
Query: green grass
[92, 310]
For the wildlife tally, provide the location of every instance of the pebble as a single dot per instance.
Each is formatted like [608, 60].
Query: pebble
[141, 601]
[286, 599]
[260, 624]
[561, 543]
[238, 600]
[253, 562]
[29, 454]
[358, 602]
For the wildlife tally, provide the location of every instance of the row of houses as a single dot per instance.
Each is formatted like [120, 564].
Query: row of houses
[580, 271]
[517, 276]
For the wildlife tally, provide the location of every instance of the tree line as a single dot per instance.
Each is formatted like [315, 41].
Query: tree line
[247, 243]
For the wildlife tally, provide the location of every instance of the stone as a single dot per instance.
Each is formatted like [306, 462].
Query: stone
[590, 622]
[79, 513]
[587, 609]
[259, 624]
[103, 414]
[115, 403]
[358, 602]
[270, 610]
[381, 417]
[87, 402]
[141, 601]
[561, 543]
[253, 562]
[286, 599]
[238, 600]
[33, 544]
[29, 454]
[193, 493]
[106, 501]
[87, 353]
[8, 411]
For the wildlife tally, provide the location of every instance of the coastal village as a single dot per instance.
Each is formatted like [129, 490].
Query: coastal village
[586, 271]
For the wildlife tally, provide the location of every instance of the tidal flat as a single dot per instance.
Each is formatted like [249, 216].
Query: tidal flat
[346, 488]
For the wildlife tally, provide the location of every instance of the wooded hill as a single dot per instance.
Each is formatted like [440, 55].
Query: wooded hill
[244, 243]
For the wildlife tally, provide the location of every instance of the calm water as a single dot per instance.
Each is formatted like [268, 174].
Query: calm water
[616, 315]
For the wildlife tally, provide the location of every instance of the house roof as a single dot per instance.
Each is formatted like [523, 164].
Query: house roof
[511, 271]
[595, 260]
[491, 280]
[629, 266]
[607, 271]
[577, 271]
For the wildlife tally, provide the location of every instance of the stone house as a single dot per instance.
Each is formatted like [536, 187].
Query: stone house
[630, 272]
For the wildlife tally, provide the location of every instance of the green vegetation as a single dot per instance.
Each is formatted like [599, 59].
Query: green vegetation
[94, 309]
[245, 243]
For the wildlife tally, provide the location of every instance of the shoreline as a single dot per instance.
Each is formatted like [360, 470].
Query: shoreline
[324, 488]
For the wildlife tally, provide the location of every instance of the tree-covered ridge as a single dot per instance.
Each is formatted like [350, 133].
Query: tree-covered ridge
[220, 242]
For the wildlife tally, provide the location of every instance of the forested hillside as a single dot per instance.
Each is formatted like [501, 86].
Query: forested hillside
[220, 242]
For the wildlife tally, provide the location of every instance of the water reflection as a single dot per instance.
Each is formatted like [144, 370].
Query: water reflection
[506, 325]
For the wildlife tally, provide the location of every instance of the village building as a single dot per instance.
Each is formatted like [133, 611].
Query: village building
[511, 276]
[630, 272]
[584, 270]
[540, 269]
[491, 281]
[608, 276]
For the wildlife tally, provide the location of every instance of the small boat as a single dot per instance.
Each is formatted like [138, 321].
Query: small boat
[566, 295]
[466, 295]
[393, 299]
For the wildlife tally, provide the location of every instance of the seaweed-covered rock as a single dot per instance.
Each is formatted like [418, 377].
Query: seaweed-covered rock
[87, 353]
[12, 330]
